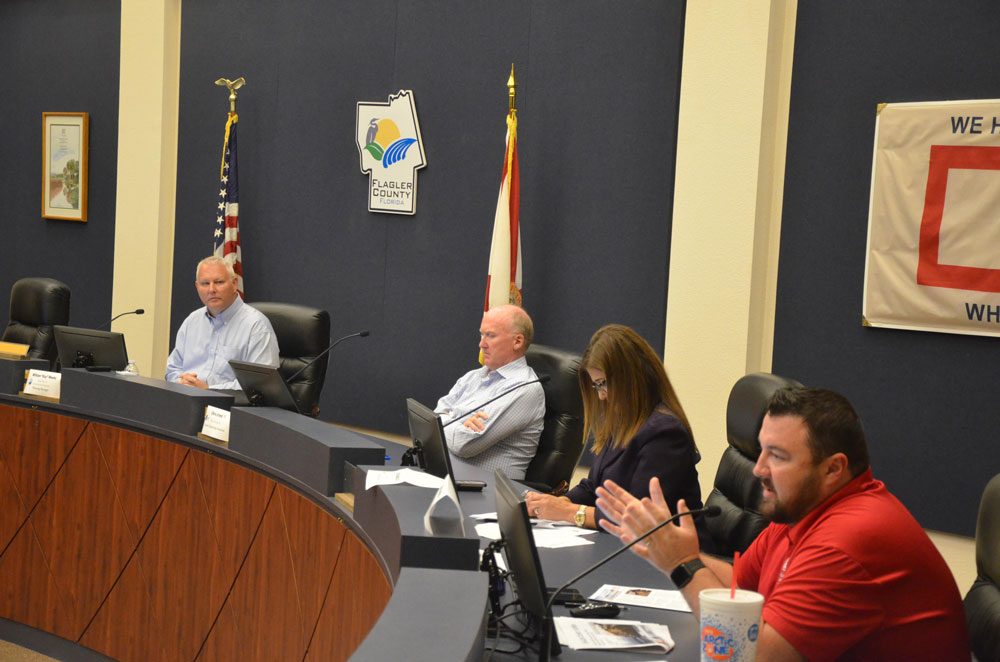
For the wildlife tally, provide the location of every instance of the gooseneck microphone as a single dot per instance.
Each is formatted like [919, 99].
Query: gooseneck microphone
[359, 334]
[541, 380]
[708, 511]
[137, 311]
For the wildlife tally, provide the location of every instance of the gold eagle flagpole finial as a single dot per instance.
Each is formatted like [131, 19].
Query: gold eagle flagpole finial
[232, 86]
[511, 90]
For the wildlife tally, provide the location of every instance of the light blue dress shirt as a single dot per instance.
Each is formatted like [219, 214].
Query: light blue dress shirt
[205, 344]
[515, 422]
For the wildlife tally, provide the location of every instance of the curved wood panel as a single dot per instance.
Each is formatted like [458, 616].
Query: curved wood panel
[142, 469]
[82, 532]
[357, 596]
[13, 514]
[315, 540]
[34, 445]
[142, 549]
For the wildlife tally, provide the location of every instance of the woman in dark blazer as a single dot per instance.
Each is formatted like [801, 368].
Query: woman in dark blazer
[638, 426]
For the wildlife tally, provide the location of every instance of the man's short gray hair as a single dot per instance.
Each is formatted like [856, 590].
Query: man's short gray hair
[215, 259]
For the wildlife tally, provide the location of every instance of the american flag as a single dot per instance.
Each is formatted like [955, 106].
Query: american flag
[227, 215]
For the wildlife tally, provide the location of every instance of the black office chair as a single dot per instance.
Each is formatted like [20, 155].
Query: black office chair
[737, 491]
[561, 443]
[36, 304]
[303, 333]
[982, 602]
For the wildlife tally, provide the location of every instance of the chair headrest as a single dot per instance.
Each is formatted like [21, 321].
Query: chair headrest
[38, 301]
[988, 532]
[745, 411]
[562, 392]
[301, 330]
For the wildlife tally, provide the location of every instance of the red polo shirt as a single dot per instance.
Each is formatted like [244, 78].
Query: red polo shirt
[857, 579]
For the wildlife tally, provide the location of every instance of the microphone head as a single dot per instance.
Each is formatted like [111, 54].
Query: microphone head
[363, 334]
[712, 511]
[140, 311]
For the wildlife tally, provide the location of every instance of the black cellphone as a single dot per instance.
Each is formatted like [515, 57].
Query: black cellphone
[565, 595]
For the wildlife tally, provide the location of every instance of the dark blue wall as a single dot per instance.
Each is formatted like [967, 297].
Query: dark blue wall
[598, 86]
[58, 55]
[928, 400]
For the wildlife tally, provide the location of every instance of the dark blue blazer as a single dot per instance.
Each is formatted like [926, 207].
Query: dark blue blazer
[662, 447]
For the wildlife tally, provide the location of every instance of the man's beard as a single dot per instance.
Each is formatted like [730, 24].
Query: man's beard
[789, 510]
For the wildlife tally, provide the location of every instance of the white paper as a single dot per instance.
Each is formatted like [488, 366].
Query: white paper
[639, 596]
[488, 530]
[400, 476]
[547, 538]
[565, 527]
[556, 538]
[613, 634]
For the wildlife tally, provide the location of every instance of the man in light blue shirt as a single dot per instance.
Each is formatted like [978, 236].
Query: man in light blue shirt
[504, 434]
[225, 328]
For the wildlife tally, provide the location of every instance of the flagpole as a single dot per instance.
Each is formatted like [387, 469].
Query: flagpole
[232, 86]
[511, 92]
[226, 236]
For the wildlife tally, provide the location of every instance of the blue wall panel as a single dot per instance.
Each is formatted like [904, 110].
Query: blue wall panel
[598, 85]
[59, 56]
[928, 400]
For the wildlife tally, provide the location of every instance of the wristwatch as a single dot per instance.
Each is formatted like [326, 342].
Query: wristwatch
[580, 519]
[684, 573]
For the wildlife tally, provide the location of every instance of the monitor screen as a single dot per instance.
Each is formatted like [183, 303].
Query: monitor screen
[264, 386]
[89, 348]
[523, 562]
[427, 432]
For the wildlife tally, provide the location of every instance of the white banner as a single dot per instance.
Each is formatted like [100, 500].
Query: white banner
[933, 260]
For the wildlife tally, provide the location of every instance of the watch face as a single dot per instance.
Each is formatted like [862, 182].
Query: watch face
[684, 573]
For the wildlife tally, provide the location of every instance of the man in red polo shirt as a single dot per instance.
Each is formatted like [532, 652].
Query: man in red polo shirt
[845, 570]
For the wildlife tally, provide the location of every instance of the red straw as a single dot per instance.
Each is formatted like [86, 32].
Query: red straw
[732, 584]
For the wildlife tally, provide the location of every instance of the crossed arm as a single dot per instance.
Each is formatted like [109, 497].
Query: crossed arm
[495, 422]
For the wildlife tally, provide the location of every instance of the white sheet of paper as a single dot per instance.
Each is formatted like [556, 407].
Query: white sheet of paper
[488, 530]
[640, 596]
[548, 538]
[400, 476]
[605, 634]
[556, 538]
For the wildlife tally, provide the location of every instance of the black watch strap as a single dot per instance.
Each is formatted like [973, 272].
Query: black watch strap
[684, 573]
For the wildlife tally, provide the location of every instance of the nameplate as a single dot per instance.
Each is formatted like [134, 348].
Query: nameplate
[444, 506]
[216, 426]
[43, 384]
[13, 350]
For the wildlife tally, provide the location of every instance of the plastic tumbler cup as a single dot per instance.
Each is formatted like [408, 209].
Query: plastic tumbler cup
[729, 626]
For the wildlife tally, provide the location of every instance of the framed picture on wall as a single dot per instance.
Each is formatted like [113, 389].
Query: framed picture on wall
[64, 165]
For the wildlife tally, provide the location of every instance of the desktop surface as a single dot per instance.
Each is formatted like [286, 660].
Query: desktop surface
[559, 565]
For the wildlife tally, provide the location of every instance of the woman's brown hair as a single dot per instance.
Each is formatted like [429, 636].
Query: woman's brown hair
[637, 385]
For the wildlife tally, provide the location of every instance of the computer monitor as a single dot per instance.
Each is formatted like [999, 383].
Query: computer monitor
[264, 386]
[90, 348]
[523, 563]
[427, 434]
